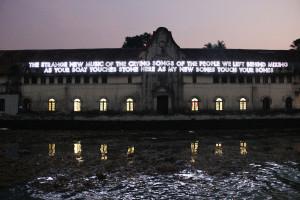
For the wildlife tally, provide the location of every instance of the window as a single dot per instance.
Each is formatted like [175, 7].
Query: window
[249, 79]
[104, 79]
[224, 79]
[129, 105]
[241, 79]
[243, 104]
[194, 78]
[232, 79]
[69, 80]
[77, 105]
[86, 80]
[103, 105]
[51, 80]
[289, 79]
[34, 80]
[51, 105]
[257, 79]
[215, 79]
[60, 80]
[43, 80]
[27, 105]
[195, 104]
[265, 79]
[219, 104]
[2, 105]
[95, 79]
[129, 79]
[273, 79]
[281, 79]
[77, 79]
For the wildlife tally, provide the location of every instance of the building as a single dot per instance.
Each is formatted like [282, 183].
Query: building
[161, 78]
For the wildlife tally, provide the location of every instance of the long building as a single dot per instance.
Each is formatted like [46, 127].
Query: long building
[160, 78]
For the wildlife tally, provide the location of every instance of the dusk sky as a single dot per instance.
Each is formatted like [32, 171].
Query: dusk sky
[65, 24]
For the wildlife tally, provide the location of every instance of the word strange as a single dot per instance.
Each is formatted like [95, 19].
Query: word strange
[159, 66]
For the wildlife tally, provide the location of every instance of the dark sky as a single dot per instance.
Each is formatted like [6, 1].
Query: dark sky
[61, 24]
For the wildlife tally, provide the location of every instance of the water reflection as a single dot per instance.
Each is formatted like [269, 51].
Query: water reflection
[194, 151]
[243, 148]
[103, 151]
[218, 149]
[78, 151]
[51, 150]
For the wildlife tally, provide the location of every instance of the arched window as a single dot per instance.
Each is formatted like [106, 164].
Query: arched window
[243, 104]
[129, 105]
[289, 103]
[77, 105]
[219, 104]
[266, 104]
[51, 105]
[195, 104]
[103, 105]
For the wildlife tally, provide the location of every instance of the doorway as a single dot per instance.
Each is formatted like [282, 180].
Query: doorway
[162, 104]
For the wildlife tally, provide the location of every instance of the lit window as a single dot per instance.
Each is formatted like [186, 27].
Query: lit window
[243, 104]
[218, 149]
[51, 105]
[243, 148]
[195, 104]
[77, 105]
[103, 151]
[51, 150]
[78, 151]
[129, 105]
[194, 151]
[103, 105]
[219, 104]
[130, 151]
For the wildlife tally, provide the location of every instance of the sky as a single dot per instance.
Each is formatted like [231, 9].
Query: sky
[70, 24]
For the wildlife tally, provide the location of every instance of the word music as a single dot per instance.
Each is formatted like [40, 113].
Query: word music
[159, 66]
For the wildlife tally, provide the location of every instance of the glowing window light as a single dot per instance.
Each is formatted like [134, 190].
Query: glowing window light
[129, 105]
[103, 151]
[243, 148]
[130, 151]
[243, 104]
[77, 148]
[219, 104]
[103, 105]
[194, 147]
[195, 104]
[77, 105]
[51, 148]
[218, 149]
[51, 105]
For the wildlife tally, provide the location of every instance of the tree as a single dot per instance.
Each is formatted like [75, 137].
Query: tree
[296, 45]
[138, 41]
[219, 45]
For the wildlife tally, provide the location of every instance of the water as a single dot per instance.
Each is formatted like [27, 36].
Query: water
[149, 165]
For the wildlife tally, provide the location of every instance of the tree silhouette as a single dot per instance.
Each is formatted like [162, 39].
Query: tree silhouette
[138, 41]
[296, 45]
[219, 45]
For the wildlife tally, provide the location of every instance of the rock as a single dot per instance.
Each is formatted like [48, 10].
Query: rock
[101, 176]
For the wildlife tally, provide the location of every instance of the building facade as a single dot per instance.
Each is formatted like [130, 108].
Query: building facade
[161, 78]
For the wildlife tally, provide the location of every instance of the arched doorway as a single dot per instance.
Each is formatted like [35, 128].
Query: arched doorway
[162, 104]
[289, 103]
[266, 104]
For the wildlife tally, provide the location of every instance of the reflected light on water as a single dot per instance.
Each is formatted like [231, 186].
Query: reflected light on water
[243, 148]
[78, 151]
[218, 149]
[51, 150]
[103, 151]
[194, 150]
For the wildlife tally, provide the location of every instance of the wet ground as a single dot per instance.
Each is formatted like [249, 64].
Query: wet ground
[262, 164]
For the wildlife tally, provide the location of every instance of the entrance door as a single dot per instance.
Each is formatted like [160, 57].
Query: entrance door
[162, 104]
